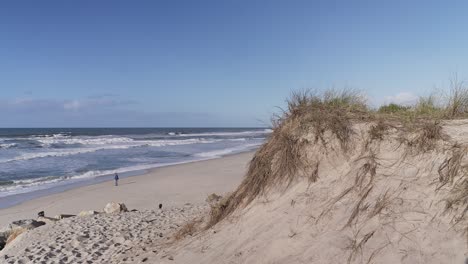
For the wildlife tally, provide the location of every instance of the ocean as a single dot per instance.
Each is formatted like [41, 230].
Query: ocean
[36, 161]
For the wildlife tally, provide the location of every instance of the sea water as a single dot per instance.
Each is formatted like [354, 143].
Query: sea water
[35, 160]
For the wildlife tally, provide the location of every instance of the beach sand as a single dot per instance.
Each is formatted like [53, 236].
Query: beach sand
[173, 186]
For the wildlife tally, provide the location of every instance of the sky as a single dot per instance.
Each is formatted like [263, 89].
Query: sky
[216, 63]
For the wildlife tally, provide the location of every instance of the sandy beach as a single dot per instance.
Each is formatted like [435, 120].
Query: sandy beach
[173, 186]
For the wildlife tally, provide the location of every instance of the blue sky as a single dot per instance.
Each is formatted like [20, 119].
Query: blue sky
[215, 63]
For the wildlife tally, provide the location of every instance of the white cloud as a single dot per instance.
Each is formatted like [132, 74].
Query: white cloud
[72, 105]
[404, 98]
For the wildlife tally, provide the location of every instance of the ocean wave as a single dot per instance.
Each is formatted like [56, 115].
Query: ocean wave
[29, 185]
[58, 135]
[8, 145]
[6, 182]
[101, 140]
[29, 156]
[227, 151]
[69, 152]
[242, 133]
[161, 143]
[66, 140]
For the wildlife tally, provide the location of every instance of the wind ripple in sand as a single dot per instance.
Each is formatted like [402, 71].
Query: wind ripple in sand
[129, 237]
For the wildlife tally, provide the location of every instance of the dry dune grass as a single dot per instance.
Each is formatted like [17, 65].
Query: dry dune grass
[378, 131]
[457, 105]
[458, 200]
[454, 174]
[188, 229]
[427, 136]
[366, 173]
[451, 167]
[281, 159]
[435, 106]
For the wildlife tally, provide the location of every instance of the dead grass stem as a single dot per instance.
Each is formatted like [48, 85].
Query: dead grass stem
[188, 229]
[427, 136]
[357, 247]
[378, 131]
[450, 167]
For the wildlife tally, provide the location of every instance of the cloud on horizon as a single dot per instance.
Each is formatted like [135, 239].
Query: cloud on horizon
[403, 98]
[45, 105]
[107, 110]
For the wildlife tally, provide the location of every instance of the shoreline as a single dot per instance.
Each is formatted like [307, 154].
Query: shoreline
[19, 198]
[172, 185]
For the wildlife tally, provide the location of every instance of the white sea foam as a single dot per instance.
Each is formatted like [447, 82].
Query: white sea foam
[101, 140]
[160, 143]
[8, 145]
[133, 144]
[237, 139]
[58, 135]
[28, 156]
[252, 132]
[223, 152]
[29, 185]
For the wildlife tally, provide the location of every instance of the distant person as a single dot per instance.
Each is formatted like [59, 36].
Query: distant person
[116, 178]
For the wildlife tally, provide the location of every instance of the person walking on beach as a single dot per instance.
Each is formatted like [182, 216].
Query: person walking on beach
[116, 178]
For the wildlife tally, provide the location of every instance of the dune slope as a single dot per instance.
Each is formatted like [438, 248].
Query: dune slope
[368, 191]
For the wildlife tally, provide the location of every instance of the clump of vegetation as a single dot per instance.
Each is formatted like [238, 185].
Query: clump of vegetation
[213, 198]
[427, 106]
[188, 229]
[280, 160]
[428, 135]
[349, 99]
[218, 210]
[331, 112]
[377, 131]
[457, 105]
[393, 108]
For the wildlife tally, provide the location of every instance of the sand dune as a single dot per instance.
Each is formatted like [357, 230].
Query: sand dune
[351, 213]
